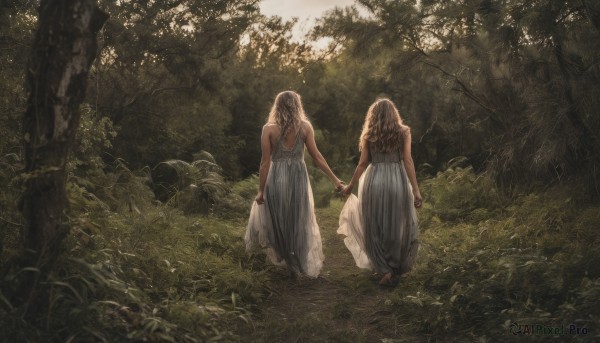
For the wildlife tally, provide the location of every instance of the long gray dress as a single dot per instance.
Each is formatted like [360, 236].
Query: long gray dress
[380, 224]
[285, 225]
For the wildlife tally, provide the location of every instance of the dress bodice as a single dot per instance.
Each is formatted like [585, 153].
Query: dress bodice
[395, 156]
[281, 152]
[377, 156]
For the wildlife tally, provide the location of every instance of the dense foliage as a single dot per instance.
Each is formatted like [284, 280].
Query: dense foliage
[497, 81]
[490, 261]
[502, 97]
[511, 84]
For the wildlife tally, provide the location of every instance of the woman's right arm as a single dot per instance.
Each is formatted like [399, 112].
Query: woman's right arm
[363, 163]
[314, 152]
[409, 165]
[265, 163]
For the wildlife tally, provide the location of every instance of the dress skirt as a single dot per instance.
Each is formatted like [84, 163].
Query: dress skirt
[285, 226]
[380, 224]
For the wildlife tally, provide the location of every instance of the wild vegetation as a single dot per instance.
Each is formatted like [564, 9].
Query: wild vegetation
[502, 98]
[487, 261]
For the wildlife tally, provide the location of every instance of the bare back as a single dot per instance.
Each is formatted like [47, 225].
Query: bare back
[290, 137]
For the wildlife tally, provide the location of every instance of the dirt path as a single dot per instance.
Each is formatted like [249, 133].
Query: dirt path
[343, 305]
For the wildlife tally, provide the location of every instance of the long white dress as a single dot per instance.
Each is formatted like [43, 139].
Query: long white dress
[380, 224]
[285, 225]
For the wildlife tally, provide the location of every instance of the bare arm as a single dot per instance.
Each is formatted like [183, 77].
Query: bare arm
[409, 165]
[363, 163]
[314, 152]
[265, 163]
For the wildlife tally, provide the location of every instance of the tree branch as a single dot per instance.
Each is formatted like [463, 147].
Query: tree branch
[469, 93]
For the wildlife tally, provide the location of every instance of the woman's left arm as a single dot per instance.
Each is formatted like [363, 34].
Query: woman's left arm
[265, 163]
[409, 165]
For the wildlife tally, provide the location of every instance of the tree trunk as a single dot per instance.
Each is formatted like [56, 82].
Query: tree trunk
[63, 50]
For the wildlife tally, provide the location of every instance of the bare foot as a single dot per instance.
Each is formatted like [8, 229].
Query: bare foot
[386, 279]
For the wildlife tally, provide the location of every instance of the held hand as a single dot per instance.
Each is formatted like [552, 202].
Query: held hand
[339, 185]
[418, 199]
[347, 190]
[260, 198]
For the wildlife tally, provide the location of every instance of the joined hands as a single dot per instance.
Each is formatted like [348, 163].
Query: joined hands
[344, 190]
[340, 186]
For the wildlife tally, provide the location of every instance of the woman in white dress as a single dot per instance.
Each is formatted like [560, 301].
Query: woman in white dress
[380, 224]
[282, 219]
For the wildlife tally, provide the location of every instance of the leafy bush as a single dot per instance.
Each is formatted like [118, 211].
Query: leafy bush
[154, 276]
[459, 194]
[533, 262]
[116, 188]
[135, 270]
[247, 188]
[193, 187]
[93, 138]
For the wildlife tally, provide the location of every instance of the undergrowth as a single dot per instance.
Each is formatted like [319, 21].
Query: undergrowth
[134, 269]
[490, 265]
[159, 276]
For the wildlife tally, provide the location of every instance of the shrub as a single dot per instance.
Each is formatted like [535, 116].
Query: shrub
[532, 262]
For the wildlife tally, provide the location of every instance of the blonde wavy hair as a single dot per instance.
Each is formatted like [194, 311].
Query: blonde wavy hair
[383, 127]
[287, 111]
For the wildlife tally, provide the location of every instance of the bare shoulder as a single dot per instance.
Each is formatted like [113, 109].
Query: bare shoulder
[306, 127]
[405, 131]
[306, 124]
[269, 128]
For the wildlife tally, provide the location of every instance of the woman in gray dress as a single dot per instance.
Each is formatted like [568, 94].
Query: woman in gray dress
[380, 224]
[282, 219]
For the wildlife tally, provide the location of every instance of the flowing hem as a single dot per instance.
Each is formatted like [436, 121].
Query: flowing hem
[391, 254]
[257, 233]
[350, 226]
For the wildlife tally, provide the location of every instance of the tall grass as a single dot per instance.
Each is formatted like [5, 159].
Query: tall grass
[137, 270]
[488, 261]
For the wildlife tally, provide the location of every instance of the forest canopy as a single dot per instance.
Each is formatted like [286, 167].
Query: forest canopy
[511, 85]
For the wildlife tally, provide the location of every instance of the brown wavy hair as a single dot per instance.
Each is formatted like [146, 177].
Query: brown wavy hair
[383, 127]
[287, 111]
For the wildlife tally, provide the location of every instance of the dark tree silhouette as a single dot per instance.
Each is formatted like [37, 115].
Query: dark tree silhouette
[63, 50]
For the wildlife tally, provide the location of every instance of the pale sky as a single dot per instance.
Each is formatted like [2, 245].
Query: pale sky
[305, 10]
[302, 9]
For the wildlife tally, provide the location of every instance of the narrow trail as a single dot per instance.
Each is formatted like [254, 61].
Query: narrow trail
[344, 304]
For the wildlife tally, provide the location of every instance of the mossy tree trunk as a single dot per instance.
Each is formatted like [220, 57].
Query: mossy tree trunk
[63, 50]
